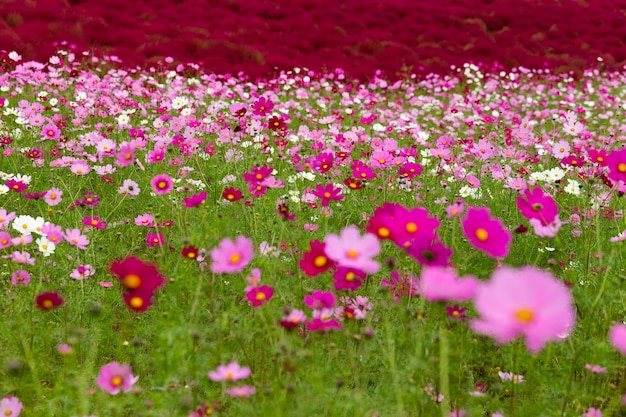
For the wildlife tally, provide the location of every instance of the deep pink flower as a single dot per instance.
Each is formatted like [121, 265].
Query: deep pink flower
[429, 252]
[537, 205]
[48, 300]
[162, 184]
[294, 319]
[17, 186]
[114, 378]
[320, 300]
[262, 106]
[195, 200]
[125, 156]
[323, 326]
[441, 284]
[154, 239]
[230, 372]
[524, 302]
[326, 193]
[616, 161]
[617, 336]
[94, 222]
[486, 233]
[232, 256]
[257, 296]
[315, 261]
[348, 278]
[352, 250]
[410, 224]
[401, 284]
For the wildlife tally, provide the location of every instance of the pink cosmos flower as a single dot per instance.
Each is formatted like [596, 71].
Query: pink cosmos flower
[20, 277]
[5, 218]
[320, 300]
[593, 412]
[326, 193]
[524, 302]
[129, 187]
[75, 238]
[10, 406]
[21, 258]
[617, 336]
[230, 372]
[548, 230]
[232, 256]
[294, 319]
[114, 378]
[144, 220]
[195, 200]
[154, 239]
[441, 284]
[82, 272]
[239, 392]
[5, 240]
[53, 196]
[616, 161]
[537, 205]
[162, 184]
[259, 295]
[352, 250]
[486, 233]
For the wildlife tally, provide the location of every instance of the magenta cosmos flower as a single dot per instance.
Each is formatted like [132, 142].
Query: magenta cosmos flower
[114, 378]
[232, 256]
[162, 184]
[442, 284]
[486, 233]
[524, 302]
[616, 161]
[230, 372]
[352, 250]
[537, 205]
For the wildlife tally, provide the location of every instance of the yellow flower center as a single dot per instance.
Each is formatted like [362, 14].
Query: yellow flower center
[116, 381]
[131, 281]
[320, 261]
[383, 232]
[136, 302]
[524, 315]
[234, 258]
[162, 184]
[411, 227]
[481, 234]
[352, 254]
[260, 296]
[47, 304]
[622, 167]
[326, 194]
[350, 276]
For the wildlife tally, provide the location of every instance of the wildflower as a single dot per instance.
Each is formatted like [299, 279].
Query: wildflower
[48, 300]
[593, 412]
[441, 284]
[619, 238]
[616, 161]
[232, 256]
[348, 278]
[262, 106]
[241, 391]
[283, 210]
[617, 336]
[548, 230]
[230, 372]
[294, 319]
[75, 238]
[257, 296]
[596, 369]
[20, 277]
[537, 205]
[162, 184]
[456, 313]
[82, 272]
[45, 246]
[138, 300]
[17, 186]
[429, 252]
[401, 284]
[486, 233]
[195, 200]
[28, 224]
[509, 376]
[410, 224]
[5, 240]
[21, 258]
[5, 218]
[94, 222]
[136, 275]
[64, 349]
[80, 168]
[129, 187]
[454, 210]
[154, 239]
[352, 250]
[144, 220]
[115, 377]
[315, 261]
[320, 300]
[125, 156]
[10, 407]
[52, 232]
[232, 194]
[527, 302]
[190, 252]
[326, 193]
[323, 326]
[52, 197]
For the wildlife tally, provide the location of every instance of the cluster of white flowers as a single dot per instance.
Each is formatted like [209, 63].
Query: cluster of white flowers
[304, 175]
[549, 176]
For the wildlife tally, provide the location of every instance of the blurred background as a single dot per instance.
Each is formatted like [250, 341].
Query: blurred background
[260, 37]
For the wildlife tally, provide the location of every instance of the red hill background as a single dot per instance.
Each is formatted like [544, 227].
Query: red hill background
[257, 36]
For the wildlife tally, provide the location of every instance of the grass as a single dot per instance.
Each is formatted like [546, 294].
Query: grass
[396, 360]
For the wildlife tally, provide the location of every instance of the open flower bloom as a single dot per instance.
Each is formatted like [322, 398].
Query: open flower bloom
[10, 406]
[230, 372]
[486, 233]
[441, 284]
[525, 302]
[617, 336]
[114, 378]
[232, 256]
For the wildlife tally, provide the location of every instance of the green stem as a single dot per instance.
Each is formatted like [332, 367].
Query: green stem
[444, 370]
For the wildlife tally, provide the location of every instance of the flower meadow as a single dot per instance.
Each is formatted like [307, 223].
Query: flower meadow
[177, 243]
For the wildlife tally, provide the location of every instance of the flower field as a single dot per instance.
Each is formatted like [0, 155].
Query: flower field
[181, 243]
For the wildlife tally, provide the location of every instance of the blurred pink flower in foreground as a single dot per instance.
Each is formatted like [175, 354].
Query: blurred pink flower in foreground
[230, 372]
[10, 406]
[524, 302]
[617, 335]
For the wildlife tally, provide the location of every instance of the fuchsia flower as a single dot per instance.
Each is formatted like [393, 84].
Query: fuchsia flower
[114, 378]
[257, 296]
[154, 239]
[315, 261]
[326, 193]
[162, 184]
[195, 200]
[294, 319]
[232, 256]
[486, 233]
[524, 302]
[352, 250]
[617, 336]
[616, 161]
[230, 372]
[538, 205]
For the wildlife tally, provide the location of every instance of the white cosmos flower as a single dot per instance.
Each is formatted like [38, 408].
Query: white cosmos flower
[45, 246]
[26, 225]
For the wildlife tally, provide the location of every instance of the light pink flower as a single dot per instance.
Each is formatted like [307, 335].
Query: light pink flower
[241, 391]
[75, 238]
[20, 277]
[53, 196]
[352, 250]
[524, 302]
[232, 256]
[442, 284]
[617, 336]
[10, 406]
[5, 218]
[114, 378]
[230, 372]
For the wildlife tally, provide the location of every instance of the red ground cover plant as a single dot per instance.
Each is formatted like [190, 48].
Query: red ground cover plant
[258, 37]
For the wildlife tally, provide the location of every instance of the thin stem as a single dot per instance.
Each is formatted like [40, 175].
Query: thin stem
[444, 370]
